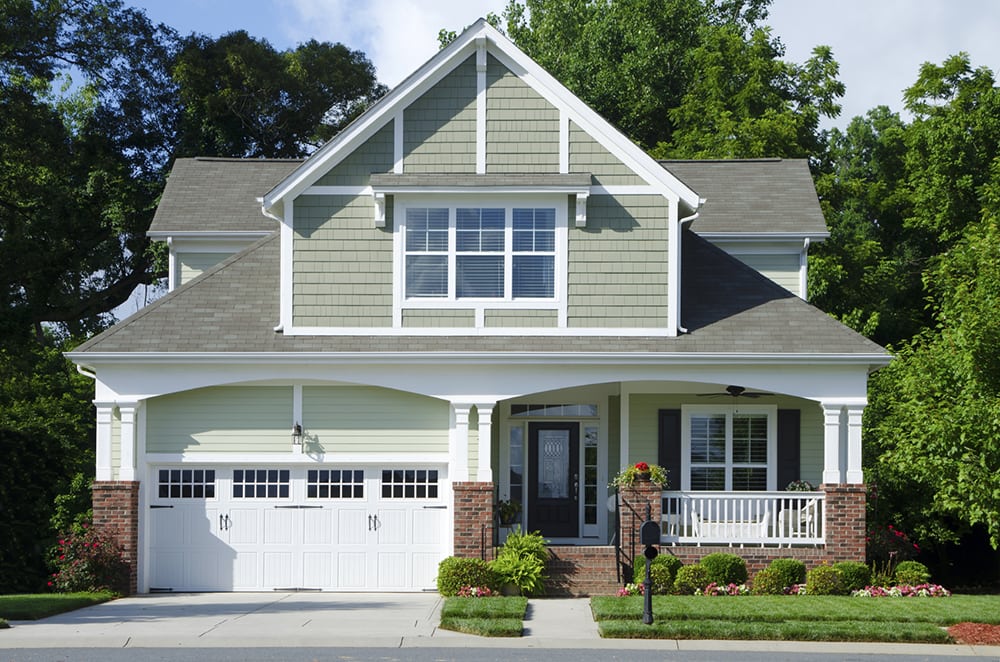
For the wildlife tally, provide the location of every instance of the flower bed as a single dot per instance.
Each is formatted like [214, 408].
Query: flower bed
[904, 591]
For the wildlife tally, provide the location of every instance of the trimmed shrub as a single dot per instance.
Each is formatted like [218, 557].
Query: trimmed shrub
[663, 573]
[791, 571]
[824, 580]
[768, 582]
[691, 578]
[527, 573]
[725, 569]
[912, 573]
[455, 572]
[854, 574]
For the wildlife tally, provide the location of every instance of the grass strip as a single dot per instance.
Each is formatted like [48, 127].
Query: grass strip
[486, 617]
[815, 608]
[499, 607]
[484, 627]
[788, 631]
[31, 607]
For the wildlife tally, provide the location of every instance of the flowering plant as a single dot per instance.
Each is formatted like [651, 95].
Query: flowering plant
[800, 486]
[630, 589]
[475, 592]
[903, 591]
[89, 561]
[627, 477]
[729, 589]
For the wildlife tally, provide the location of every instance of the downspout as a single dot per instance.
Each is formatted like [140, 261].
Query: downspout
[263, 210]
[85, 372]
[680, 224]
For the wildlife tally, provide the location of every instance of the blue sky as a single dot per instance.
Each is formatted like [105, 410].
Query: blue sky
[880, 44]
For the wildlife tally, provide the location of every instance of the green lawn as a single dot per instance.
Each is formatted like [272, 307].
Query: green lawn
[800, 618]
[487, 617]
[35, 606]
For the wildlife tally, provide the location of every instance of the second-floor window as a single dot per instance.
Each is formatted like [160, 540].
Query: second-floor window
[501, 253]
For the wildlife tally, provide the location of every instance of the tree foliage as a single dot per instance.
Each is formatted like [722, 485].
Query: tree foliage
[241, 97]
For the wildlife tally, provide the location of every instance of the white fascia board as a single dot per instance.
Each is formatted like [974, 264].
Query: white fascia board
[761, 237]
[91, 359]
[384, 110]
[481, 190]
[210, 236]
[291, 458]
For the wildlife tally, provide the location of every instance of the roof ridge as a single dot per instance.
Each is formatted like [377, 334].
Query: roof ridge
[771, 159]
[238, 159]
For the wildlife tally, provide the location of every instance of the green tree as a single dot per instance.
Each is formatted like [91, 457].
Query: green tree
[242, 98]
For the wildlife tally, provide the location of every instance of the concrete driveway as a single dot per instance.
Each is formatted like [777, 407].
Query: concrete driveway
[243, 619]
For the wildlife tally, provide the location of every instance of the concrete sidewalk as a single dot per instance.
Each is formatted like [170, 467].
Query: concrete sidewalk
[347, 620]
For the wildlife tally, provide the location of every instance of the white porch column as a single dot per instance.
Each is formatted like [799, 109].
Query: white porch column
[459, 444]
[126, 469]
[485, 471]
[105, 414]
[855, 475]
[831, 444]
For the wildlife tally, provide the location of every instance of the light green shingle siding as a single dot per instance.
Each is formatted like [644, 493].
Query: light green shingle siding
[618, 274]
[232, 419]
[440, 127]
[192, 265]
[342, 273]
[439, 319]
[375, 155]
[522, 318]
[587, 155]
[522, 128]
[365, 419]
[782, 269]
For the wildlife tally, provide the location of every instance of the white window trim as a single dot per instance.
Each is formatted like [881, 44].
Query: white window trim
[558, 201]
[687, 411]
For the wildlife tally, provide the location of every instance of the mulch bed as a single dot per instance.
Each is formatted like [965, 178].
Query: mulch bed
[975, 634]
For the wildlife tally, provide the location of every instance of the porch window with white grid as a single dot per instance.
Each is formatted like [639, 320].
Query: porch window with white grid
[730, 451]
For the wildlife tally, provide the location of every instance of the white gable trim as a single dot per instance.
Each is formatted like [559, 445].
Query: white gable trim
[467, 45]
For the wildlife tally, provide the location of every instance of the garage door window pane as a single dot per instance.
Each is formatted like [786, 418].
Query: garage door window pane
[186, 484]
[409, 484]
[261, 483]
[335, 484]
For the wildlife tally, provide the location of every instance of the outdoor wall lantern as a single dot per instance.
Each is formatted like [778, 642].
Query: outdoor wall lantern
[296, 435]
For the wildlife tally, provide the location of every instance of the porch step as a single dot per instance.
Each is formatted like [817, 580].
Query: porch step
[581, 571]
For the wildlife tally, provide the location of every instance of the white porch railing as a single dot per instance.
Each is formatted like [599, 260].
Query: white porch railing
[743, 518]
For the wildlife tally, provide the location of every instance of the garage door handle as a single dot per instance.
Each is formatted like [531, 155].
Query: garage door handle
[373, 523]
[224, 522]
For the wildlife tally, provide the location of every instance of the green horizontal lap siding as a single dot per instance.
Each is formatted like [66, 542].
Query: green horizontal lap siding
[193, 265]
[588, 155]
[342, 264]
[522, 128]
[522, 318]
[375, 155]
[644, 427]
[226, 419]
[782, 269]
[618, 274]
[368, 419]
[439, 128]
[439, 319]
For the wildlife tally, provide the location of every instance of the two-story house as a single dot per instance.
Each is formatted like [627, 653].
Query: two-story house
[479, 290]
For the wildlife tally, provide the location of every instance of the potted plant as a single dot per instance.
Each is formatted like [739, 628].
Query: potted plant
[508, 511]
[800, 486]
[639, 472]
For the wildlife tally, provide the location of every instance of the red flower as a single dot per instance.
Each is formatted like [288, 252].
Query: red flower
[642, 467]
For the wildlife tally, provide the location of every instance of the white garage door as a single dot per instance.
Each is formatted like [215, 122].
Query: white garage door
[252, 528]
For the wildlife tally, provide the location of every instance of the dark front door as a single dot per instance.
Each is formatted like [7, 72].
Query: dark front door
[554, 479]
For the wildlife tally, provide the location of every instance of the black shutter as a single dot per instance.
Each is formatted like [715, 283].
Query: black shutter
[670, 446]
[788, 446]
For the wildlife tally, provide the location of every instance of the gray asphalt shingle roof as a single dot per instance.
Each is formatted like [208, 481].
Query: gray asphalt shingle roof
[727, 307]
[219, 195]
[760, 195]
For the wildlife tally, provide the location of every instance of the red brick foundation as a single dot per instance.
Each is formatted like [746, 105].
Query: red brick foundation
[473, 519]
[116, 513]
[581, 571]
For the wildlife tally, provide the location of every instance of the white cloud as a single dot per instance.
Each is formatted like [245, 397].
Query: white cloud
[397, 35]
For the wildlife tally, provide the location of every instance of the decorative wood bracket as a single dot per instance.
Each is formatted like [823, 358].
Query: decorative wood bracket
[581, 210]
[379, 199]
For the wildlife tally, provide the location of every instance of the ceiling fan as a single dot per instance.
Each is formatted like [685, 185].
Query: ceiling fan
[735, 392]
